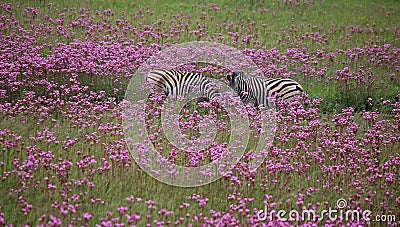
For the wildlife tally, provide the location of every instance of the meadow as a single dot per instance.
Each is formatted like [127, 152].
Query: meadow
[65, 67]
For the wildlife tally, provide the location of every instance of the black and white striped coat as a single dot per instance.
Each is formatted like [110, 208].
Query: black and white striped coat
[257, 91]
[180, 84]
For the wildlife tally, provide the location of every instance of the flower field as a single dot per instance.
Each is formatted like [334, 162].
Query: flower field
[65, 67]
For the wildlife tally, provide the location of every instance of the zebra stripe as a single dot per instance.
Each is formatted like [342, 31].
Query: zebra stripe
[258, 91]
[241, 88]
[180, 84]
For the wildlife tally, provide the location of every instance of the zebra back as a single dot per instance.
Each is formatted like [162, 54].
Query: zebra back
[265, 90]
[180, 84]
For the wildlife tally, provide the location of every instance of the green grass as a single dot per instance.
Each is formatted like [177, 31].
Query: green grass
[119, 183]
[276, 16]
[284, 27]
[113, 187]
[116, 185]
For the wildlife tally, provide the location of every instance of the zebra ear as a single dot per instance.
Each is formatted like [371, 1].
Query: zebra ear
[231, 77]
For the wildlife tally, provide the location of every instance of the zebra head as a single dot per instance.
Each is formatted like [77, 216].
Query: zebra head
[236, 81]
[239, 83]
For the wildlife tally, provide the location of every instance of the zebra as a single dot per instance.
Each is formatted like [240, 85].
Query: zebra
[257, 91]
[180, 84]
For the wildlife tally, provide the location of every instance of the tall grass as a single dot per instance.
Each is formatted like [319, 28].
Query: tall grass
[290, 170]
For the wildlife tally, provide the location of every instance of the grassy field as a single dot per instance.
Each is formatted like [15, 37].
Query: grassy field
[65, 68]
[331, 27]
